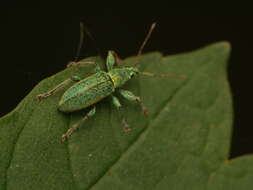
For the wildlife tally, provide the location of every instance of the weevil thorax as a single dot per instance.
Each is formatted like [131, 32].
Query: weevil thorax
[120, 76]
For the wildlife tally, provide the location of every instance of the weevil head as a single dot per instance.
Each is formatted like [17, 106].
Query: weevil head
[120, 76]
[132, 71]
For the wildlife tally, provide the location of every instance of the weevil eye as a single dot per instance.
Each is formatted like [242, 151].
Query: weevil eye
[132, 75]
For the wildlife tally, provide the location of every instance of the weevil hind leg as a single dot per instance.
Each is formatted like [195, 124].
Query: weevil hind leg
[76, 126]
[58, 87]
[117, 104]
[131, 97]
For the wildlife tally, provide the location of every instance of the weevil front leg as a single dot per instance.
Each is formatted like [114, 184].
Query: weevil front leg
[80, 63]
[131, 97]
[84, 63]
[117, 104]
[58, 87]
[78, 124]
[111, 60]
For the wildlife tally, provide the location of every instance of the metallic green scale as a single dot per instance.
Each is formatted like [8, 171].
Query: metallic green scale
[86, 92]
[94, 88]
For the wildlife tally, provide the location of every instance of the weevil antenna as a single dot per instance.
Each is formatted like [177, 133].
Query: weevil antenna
[152, 27]
[161, 75]
[80, 42]
[83, 30]
[146, 38]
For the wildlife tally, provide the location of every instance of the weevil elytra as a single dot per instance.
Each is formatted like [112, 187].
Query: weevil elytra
[88, 91]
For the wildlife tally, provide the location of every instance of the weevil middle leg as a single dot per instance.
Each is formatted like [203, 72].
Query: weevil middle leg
[117, 104]
[58, 87]
[78, 124]
[131, 97]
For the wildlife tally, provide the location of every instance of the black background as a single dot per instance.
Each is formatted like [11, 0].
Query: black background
[38, 39]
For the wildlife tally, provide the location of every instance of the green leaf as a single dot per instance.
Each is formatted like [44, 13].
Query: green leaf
[182, 144]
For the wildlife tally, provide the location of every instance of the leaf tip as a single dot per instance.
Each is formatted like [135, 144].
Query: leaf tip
[225, 45]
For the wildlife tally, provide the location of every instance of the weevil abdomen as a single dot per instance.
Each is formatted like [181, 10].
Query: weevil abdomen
[86, 92]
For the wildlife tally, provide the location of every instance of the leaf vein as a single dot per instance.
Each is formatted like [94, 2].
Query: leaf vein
[139, 136]
[15, 144]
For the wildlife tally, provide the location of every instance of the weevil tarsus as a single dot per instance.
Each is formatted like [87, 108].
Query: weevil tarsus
[116, 102]
[58, 87]
[76, 126]
[125, 125]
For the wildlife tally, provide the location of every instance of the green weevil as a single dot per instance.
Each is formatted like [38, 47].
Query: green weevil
[88, 91]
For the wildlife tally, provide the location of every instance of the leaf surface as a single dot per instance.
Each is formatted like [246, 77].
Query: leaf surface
[182, 144]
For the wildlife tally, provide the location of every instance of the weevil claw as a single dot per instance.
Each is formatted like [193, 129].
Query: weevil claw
[127, 129]
[126, 126]
[64, 138]
[145, 112]
[40, 97]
